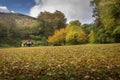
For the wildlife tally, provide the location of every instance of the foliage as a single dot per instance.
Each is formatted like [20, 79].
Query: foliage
[58, 37]
[86, 62]
[116, 34]
[37, 38]
[117, 30]
[52, 28]
[16, 26]
[107, 17]
[50, 22]
[104, 36]
[91, 37]
[75, 33]
[3, 29]
[3, 45]
[8, 35]
[72, 34]
[75, 37]
[87, 28]
[106, 13]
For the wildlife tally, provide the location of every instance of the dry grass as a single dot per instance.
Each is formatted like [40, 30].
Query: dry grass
[86, 62]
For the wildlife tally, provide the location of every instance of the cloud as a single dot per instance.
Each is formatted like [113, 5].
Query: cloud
[73, 9]
[4, 9]
[12, 11]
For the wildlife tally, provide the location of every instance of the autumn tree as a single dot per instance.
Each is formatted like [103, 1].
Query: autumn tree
[49, 22]
[75, 33]
[91, 37]
[58, 37]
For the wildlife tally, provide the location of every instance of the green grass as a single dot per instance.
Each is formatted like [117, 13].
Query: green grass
[80, 62]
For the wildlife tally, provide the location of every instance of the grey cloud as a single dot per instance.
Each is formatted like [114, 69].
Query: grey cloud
[73, 9]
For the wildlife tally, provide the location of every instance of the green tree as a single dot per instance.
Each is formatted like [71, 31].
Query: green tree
[87, 28]
[3, 29]
[104, 36]
[106, 12]
[116, 34]
[107, 17]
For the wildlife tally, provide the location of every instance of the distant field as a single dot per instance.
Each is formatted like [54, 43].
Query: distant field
[85, 62]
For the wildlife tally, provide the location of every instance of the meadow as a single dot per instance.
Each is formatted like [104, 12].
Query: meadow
[79, 62]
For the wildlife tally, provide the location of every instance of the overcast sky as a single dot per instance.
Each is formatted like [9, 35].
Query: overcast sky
[73, 9]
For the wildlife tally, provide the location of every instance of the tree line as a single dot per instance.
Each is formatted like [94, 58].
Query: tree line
[52, 29]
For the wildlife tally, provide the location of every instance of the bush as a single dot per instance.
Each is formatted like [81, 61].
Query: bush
[4, 45]
[104, 36]
[116, 34]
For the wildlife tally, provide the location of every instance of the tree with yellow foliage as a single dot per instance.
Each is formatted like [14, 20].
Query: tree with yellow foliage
[72, 34]
[75, 33]
[91, 37]
[58, 37]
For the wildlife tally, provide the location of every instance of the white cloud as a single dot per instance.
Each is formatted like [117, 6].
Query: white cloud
[73, 9]
[12, 11]
[4, 9]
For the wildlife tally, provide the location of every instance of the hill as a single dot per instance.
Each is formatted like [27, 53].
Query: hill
[14, 27]
[17, 19]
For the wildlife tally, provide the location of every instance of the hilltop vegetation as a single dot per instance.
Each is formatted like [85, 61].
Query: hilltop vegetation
[17, 19]
[86, 62]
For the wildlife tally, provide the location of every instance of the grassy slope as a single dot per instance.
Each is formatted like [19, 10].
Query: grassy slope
[83, 62]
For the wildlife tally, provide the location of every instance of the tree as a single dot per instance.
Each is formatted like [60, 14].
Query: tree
[50, 22]
[7, 33]
[107, 12]
[87, 28]
[75, 33]
[116, 34]
[3, 29]
[104, 36]
[6, 29]
[91, 37]
[58, 37]
[96, 13]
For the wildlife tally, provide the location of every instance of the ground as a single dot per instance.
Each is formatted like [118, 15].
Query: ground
[80, 62]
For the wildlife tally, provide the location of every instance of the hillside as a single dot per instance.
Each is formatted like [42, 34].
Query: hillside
[17, 19]
[14, 27]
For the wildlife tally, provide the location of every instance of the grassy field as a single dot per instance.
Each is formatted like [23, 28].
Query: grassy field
[85, 62]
